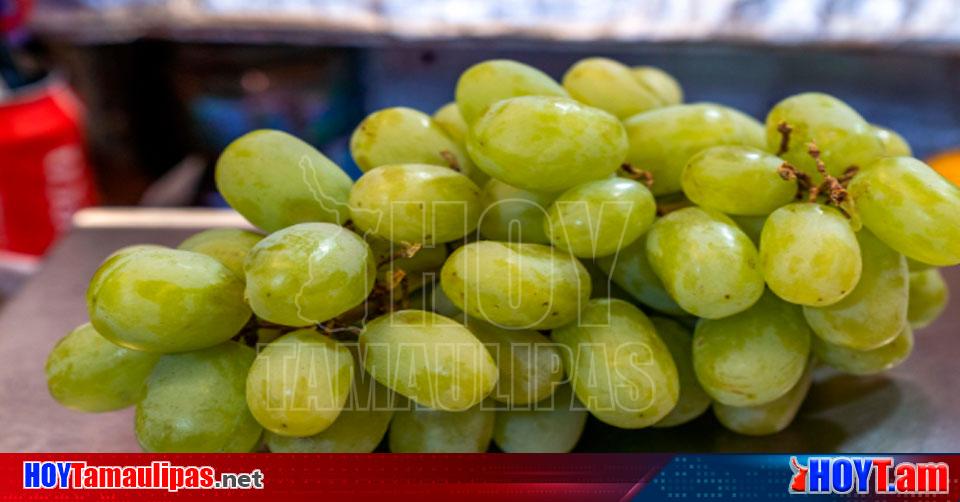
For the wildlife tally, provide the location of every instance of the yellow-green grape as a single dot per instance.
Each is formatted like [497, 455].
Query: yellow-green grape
[894, 145]
[598, 218]
[707, 264]
[275, 180]
[751, 225]
[512, 285]
[483, 84]
[753, 357]
[631, 270]
[661, 83]
[195, 403]
[433, 299]
[843, 137]
[916, 266]
[421, 430]
[449, 119]
[769, 418]
[866, 362]
[166, 300]
[693, 400]
[663, 140]
[415, 203]
[553, 425]
[229, 246]
[87, 372]
[431, 359]
[308, 273]
[809, 254]
[911, 208]
[737, 180]
[299, 383]
[402, 135]
[606, 84]
[876, 311]
[546, 144]
[511, 214]
[618, 366]
[110, 262]
[928, 297]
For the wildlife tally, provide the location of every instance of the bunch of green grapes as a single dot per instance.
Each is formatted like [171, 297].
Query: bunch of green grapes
[530, 254]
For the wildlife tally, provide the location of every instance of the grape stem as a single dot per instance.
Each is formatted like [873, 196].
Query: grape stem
[451, 160]
[784, 129]
[834, 189]
[635, 173]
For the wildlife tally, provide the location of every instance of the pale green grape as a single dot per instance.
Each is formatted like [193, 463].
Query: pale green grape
[111, 262]
[769, 418]
[449, 119]
[598, 218]
[606, 84]
[546, 144]
[928, 297]
[631, 270]
[737, 180]
[663, 140]
[661, 83]
[553, 425]
[421, 430]
[751, 225]
[87, 372]
[195, 403]
[308, 273]
[876, 311]
[894, 145]
[809, 254]
[275, 180]
[434, 300]
[753, 357]
[511, 214]
[693, 400]
[707, 264]
[229, 246]
[516, 285]
[865, 362]
[618, 366]
[483, 84]
[166, 300]
[911, 208]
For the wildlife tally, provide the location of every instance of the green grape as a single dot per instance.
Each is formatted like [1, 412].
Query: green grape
[546, 144]
[308, 273]
[707, 264]
[421, 430]
[928, 298]
[554, 425]
[434, 300]
[511, 214]
[516, 285]
[631, 270]
[299, 383]
[166, 300]
[449, 119]
[229, 246]
[753, 357]
[195, 403]
[429, 358]
[87, 372]
[618, 366]
[866, 362]
[275, 180]
[769, 418]
[875, 311]
[894, 145]
[693, 400]
[663, 140]
[911, 208]
[809, 254]
[737, 180]
[751, 225]
[415, 203]
[916, 266]
[606, 84]
[661, 83]
[483, 84]
[110, 262]
[598, 218]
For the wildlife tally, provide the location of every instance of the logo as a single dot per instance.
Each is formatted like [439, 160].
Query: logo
[861, 475]
[160, 475]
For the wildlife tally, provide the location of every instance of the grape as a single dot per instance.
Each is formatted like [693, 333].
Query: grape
[693, 400]
[809, 254]
[618, 366]
[737, 180]
[195, 403]
[516, 285]
[110, 262]
[928, 298]
[663, 140]
[165, 300]
[753, 357]
[449, 119]
[428, 358]
[598, 218]
[751, 225]
[911, 208]
[229, 246]
[275, 180]
[875, 311]
[511, 214]
[769, 418]
[893, 144]
[630, 270]
[485, 83]
[546, 144]
[421, 430]
[552, 426]
[299, 383]
[865, 362]
[434, 300]
[389, 253]
[664, 86]
[86, 372]
[606, 84]
[707, 264]
[415, 203]
[916, 266]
